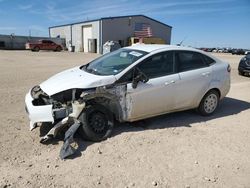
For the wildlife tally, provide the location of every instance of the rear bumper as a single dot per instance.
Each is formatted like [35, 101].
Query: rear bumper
[225, 87]
[37, 114]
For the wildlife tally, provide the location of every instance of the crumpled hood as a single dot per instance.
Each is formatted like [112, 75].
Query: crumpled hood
[74, 78]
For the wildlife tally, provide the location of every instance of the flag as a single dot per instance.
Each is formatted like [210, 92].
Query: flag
[143, 30]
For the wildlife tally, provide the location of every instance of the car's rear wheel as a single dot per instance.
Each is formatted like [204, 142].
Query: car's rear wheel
[58, 49]
[97, 123]
[209, 103]
[36, 49]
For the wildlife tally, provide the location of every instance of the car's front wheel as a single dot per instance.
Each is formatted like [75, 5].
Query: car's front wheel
[97, 123]
[36, 49]
[209, 103]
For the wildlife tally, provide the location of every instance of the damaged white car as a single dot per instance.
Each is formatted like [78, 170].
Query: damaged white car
[127, 85]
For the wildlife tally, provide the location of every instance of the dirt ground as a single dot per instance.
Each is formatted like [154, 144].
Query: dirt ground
[176, 150]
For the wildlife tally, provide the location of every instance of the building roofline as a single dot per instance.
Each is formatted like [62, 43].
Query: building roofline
[157, 21]
[106, 18]
[74, 23]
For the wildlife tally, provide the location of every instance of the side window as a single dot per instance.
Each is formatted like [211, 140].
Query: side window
[189, 60]
[158, 65]
[47, 42]
[208, 60]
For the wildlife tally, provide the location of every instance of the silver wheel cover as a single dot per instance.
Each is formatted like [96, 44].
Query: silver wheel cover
[210, 103]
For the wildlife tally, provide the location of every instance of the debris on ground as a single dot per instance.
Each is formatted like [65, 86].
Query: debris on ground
[67, 149]
[154, 183]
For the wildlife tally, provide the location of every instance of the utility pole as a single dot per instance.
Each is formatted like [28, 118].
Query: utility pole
[29, 35]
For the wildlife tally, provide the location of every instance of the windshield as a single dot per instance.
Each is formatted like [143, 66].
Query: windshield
[248, 56]
[114, 62]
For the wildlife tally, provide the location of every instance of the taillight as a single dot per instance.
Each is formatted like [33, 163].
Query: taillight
[228, 68]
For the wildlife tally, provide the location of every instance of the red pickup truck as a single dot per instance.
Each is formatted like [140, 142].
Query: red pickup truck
[43, 45]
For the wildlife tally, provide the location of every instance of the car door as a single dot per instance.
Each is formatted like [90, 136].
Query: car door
[195, 77]
[156, 96]
[44, 45]
[52, 45]
[49, 45]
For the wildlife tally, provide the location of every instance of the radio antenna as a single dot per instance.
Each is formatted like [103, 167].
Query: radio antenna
[182, 41]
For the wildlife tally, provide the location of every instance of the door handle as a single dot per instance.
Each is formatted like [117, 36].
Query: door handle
[205, 73]
[170, 82]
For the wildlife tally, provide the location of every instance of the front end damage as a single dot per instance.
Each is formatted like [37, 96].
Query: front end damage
[64, 109]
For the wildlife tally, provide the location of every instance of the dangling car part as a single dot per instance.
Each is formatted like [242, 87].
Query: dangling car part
[127, 85]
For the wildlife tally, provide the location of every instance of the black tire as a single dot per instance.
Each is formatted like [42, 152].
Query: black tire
[97, 123]
[36, 49]
[209, 103]
[241, 73]
[58, 49]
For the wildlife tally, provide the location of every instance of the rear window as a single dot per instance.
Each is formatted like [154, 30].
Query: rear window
[208, 60]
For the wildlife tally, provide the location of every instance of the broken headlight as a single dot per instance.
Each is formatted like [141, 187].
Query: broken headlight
[36, 92]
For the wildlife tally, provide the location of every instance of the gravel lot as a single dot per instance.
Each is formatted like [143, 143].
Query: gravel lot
[176, 150]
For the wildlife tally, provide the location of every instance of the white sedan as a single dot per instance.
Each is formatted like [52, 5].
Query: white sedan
[130, 84]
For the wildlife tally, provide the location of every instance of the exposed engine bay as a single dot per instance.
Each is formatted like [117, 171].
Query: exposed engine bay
[68, 110]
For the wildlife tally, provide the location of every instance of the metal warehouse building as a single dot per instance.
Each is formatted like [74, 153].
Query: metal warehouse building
[89, 36]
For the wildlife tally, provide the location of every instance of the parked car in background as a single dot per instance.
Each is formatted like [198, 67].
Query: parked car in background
[220, 50]
[229, 50]
[43, 45]
[130, 84]
[215, 50]
[210, 49]
[244, 65]
[238, 52]
[204, 49]
[247, 52]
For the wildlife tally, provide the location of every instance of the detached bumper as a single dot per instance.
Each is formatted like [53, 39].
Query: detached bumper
[37, 114]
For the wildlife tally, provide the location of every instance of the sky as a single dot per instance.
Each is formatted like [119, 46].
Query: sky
[200, 23]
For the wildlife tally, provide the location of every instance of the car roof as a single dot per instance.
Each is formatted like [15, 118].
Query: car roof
[158, 47]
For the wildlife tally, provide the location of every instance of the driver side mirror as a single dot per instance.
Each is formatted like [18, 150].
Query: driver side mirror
[139, 76]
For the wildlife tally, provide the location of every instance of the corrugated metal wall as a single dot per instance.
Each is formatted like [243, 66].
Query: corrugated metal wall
[76, 37]
[77, 34]
[114, 28]
[63, 32]
[123, 28]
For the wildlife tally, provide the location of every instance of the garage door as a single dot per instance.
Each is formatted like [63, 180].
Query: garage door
[87, 34]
